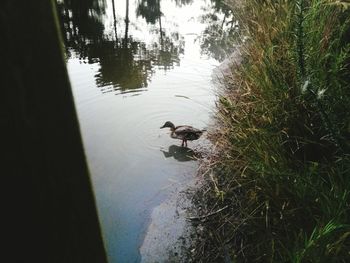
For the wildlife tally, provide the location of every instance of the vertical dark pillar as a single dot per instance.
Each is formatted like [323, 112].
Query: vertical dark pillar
[49, 203]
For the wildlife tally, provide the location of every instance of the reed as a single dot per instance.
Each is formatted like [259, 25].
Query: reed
[282, 165]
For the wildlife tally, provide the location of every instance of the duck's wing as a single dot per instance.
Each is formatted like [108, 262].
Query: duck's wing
[187, 132]
[185, 129]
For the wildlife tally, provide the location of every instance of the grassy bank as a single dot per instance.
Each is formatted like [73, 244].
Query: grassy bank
[278, 189]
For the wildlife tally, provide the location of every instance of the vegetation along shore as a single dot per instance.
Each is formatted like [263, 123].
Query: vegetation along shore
[278, 186]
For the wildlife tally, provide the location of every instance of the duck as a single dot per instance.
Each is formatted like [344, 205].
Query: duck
[183, 132]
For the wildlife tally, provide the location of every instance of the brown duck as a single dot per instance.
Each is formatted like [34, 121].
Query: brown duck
[183, 132]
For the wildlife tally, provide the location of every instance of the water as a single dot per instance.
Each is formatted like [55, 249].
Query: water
[131, 70]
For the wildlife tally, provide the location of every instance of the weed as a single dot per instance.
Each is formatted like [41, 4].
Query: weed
[283, 161]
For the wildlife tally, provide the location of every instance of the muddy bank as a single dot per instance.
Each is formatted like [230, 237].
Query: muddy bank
[168, 236]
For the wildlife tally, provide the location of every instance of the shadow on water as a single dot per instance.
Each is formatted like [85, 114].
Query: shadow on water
[180, 153]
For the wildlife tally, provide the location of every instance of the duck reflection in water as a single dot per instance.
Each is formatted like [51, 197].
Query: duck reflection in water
[180, 153]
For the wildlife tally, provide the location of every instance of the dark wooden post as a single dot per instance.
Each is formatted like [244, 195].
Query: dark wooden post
[50, 208]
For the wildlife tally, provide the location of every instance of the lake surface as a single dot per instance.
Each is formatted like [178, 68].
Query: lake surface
[134, 65]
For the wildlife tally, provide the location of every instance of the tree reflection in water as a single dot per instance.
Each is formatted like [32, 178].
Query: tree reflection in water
[166, 51]
[183, 2]
[221, 33]
[81, 23]
[126, 64]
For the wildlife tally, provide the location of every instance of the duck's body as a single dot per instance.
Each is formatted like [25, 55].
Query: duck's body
[183, 132]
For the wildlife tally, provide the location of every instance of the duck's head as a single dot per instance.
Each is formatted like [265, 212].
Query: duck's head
[168, 124]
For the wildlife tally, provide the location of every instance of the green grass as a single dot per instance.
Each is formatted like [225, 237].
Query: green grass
[283, 161]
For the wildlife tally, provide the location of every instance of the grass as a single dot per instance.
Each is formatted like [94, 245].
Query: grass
[282, 165]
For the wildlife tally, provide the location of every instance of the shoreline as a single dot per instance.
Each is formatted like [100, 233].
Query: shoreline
[170, 233]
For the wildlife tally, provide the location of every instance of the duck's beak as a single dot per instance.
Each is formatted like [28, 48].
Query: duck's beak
[162, 127]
